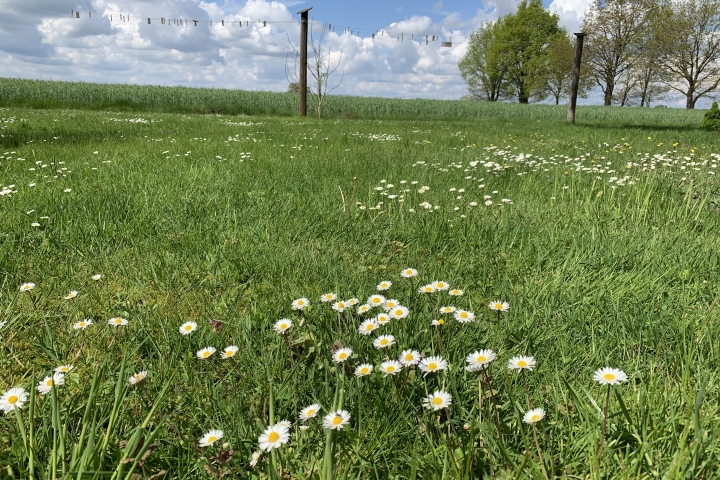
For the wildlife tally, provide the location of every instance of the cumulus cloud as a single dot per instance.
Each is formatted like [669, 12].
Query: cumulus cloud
[571, 13]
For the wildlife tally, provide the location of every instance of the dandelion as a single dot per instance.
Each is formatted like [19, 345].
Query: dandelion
[437, 401]
[71, 295]
[409, 273]
[12, 399]
[362, 309]
[282, 326]
[382, 318]
[479, 360]
[429, 288]
[363, 369]
[310, 411]
[455, 292]
[384, 285]
[96, 277]
[390, 367]
[463, 316]
[137, 377]
[63, 369]
[534, 415]
[26, 287]
[117, 321]
[211, 437]
[609, 376]
[432, 364]
[447, 309]
[409, 358]
[300, 304]
[440, 285]
[229, 352]
[340, 306]
[384, 341]
[499, 305]
[399, 312]
[82, 324]
[375, 301]
[47, 383]
[342, 354]
[521, 363]
[438, 322]
[327, 297]
[187, 328]
[368, 326]
[336, 420]
[205, 353]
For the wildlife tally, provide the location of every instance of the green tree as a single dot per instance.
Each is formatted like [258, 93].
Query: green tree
[525, 37]
[482, 67]
[558, 74]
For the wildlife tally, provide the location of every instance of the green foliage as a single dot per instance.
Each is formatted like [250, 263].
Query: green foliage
[711, 119]
[482, 67]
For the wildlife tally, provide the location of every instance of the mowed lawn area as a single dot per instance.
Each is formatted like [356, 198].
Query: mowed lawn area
[178, 232]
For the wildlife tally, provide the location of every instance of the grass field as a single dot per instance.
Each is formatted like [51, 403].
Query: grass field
[602, 236]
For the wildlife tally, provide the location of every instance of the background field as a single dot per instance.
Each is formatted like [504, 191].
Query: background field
[607, 251]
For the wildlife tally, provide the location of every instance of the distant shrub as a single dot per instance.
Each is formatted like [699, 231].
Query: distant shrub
[712, 117]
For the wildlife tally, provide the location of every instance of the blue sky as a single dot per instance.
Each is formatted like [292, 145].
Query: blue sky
[39, 39]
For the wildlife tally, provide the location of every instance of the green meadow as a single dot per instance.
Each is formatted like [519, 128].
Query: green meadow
[602, 237]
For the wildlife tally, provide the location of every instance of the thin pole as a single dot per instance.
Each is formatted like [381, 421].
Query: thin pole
[575, 77]
[302, 104]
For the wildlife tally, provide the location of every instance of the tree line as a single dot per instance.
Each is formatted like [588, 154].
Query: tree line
[635, 51]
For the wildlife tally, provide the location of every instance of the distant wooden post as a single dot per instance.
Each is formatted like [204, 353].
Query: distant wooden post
[575, 77]
[302, 104]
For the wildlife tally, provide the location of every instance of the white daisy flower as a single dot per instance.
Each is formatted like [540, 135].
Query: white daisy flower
[64, 369]
[12, 399]
[71, 295]
[609, 376]
[455, 292]
[82, 324]
[211, 437]
[409, 273]
[390, 367]
[336, 420]
[282, 325]
[375, 301]
[342, 354]
[440, 285]
[429, 288]
[437, 322]
[362, 309]
[274, 437]
[26, 287]
[229, 351]
[137, 377]
[368, 326]
[327, 297]
[384, 285]
[363, 369]
[390, 303]
[499, 305]
[382, 318]
[205, 353]
[437, 401]
[432, 364]
[399, 312]
[300, 303]
[447, 309]
[340, 306]
[353, 301]
[384, 341]
[463, 316]
[47, 383]
[96, 277]
[409, 357]
[310, 411]
[117, 321]
[521, 363]
[479, 360]
[187, 328]
[285, 423]
[534, 415]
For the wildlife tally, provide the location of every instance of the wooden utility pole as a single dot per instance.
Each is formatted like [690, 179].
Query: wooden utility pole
[302, 104]
[575, 77]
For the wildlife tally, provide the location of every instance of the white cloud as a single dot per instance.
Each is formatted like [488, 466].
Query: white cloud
[571, 13]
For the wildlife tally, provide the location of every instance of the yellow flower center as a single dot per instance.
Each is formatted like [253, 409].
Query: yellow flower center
[229, 353]
[337, 420]
[383, 285]
[428, 289]
[341, 305]
[364, 370]
[441, 322]
[342, 356]
[310, 413]
[384, 341]
[609, 377]
[432, 366]
[398, 312]
[437, 401]
[440, 285]
[535, 418]
[480, 359]
[283, 326]
[206, 354]
[273, 437]
[188, 328]
[408, 272]
[456, 292]
[63, 369]
[522, 363]
[376, 300]
[463, 315]
[409, 357]
[300, 302]
[390, 369]
[211, 439]
[13, 399]
[498, 306]
[369, 327]
[26, 287]
[49, 383]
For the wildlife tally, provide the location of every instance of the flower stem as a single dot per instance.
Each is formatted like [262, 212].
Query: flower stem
[605, 415]
[540, 457]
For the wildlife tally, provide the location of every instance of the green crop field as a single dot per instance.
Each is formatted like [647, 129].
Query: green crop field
[133, 241]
